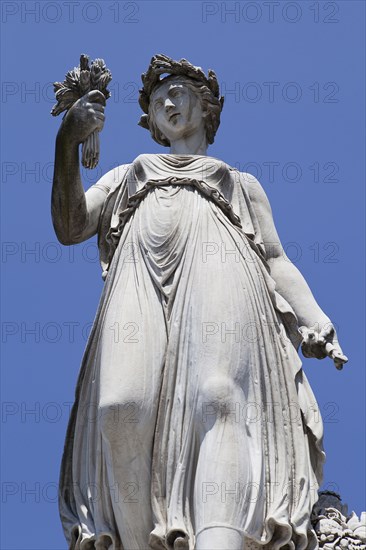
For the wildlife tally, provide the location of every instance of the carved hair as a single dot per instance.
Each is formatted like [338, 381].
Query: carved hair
[205, 88]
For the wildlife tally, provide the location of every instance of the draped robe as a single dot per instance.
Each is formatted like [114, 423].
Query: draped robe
[188, 287]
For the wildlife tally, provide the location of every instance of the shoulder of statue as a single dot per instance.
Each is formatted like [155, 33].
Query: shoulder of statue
[113, 179]
[253, 187]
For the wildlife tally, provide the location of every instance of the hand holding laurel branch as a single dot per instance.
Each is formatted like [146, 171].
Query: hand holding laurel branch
[83, 94]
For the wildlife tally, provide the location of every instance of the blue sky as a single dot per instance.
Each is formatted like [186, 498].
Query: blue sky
[293, 76]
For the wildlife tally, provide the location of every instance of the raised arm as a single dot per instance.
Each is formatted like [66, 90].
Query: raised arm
[75, 214]
[292, 285]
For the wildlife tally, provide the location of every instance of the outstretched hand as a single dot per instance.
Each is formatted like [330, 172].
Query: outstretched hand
[321, 343]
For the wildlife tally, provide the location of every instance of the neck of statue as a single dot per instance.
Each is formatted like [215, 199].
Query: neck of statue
[195, 144]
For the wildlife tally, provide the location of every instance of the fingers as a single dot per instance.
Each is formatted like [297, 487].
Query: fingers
[96, 111]
[339, 361]
[97, 107]
[337, 355]
[99, 124]
[93, 103]
[95, 96]
[94, 107]
[98, 115]
[326, 331]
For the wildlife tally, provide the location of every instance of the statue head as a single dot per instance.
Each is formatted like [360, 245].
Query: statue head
[163, 71]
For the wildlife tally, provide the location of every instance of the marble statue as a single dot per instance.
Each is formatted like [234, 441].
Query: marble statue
[194, 426]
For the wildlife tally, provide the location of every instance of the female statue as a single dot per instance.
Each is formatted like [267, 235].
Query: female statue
[205, 433]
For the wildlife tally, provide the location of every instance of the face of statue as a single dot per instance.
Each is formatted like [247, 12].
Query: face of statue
[176, 110]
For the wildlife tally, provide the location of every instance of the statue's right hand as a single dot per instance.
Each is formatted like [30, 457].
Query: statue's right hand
[84, 117]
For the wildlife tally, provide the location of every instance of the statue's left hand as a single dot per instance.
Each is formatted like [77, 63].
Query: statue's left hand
[322, 342]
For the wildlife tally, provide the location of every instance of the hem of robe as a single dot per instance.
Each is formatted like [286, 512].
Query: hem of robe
[103, 541]
[283, 536]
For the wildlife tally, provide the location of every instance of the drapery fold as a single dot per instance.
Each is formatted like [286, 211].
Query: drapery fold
[184, 261]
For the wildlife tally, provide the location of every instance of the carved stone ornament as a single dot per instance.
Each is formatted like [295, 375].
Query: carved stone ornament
[334, 527]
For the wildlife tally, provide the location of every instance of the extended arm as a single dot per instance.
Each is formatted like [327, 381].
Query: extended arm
[291, 284]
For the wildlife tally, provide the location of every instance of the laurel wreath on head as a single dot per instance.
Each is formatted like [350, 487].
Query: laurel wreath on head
[161, 64]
